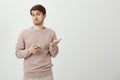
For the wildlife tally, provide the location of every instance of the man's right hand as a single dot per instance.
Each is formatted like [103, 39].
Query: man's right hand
[34, 49]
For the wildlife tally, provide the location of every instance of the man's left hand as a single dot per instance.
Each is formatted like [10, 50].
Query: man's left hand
[55, 42]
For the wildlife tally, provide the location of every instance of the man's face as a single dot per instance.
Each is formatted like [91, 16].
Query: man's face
[37, 17]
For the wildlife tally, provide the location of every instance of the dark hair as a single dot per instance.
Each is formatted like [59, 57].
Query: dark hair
[39, 8]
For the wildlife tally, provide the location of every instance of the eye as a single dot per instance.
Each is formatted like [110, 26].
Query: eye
[39, 14]
[33, 15]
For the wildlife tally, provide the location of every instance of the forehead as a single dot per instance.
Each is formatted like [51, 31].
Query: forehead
[36, 11]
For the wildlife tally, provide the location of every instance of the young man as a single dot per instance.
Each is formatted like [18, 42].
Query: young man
[36, 45]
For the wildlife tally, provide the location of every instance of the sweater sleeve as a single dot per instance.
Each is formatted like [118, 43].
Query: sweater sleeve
[21, 52]
[53, 49]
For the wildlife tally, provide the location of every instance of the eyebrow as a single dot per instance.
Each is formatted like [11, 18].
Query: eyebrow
[37, 13]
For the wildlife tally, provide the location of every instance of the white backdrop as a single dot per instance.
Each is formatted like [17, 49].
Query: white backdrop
[90, 29]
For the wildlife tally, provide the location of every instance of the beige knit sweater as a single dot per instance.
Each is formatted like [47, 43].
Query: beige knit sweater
[36, 65]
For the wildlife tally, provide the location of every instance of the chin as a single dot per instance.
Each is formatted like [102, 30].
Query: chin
[36, 23]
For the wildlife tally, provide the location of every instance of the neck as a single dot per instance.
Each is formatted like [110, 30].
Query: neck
[38, 27]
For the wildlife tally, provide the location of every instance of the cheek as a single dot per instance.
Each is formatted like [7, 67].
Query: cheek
[33, 18]
[40, 18]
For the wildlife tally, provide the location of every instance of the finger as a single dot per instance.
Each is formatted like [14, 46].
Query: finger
[55, 43]
[52, 44]
[36, 47]
[36, 51]
[33, 47]
[59, 39]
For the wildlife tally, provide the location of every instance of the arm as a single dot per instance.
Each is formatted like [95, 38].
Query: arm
[53, 49]
[21, 52]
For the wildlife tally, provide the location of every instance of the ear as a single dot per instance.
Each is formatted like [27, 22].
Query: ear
[44, 15]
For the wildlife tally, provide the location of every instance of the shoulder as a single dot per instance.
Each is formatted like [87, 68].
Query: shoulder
[50, 30]
[25, 31]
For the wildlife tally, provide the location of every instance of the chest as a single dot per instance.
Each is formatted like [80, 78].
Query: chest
[41, 39]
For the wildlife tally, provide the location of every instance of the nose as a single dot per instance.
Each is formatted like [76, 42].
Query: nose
[35, 17]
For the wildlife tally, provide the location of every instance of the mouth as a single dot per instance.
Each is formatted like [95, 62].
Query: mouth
[36, 20]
